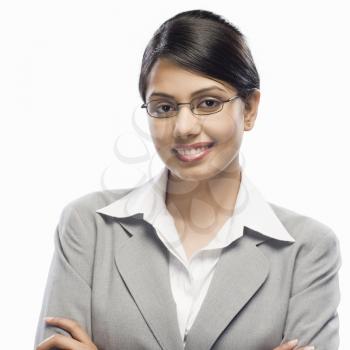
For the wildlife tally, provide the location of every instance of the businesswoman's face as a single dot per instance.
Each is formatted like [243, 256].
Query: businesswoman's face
[221, 132]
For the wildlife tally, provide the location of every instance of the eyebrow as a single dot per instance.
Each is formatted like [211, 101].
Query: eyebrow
[193, 93]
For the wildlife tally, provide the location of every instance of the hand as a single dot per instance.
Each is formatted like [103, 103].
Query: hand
[80, 339]
[291, 345]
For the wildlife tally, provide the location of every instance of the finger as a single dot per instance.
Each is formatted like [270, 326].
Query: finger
[72, 327]
[310, 347]
[287, 346]
[60, 341]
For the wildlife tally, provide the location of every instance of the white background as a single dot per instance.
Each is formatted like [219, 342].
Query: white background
[68, 90]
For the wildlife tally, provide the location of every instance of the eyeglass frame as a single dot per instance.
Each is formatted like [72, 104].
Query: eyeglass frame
[144, 105]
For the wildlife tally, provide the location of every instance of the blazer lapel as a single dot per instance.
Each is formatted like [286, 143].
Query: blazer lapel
[143, 264]
[240, 272]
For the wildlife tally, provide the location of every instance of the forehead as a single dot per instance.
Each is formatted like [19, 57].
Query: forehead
[178, 82]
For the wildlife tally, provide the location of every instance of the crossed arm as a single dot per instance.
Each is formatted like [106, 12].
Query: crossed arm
[312, 314]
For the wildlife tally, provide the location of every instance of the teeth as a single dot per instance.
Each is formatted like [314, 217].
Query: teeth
[192, 151]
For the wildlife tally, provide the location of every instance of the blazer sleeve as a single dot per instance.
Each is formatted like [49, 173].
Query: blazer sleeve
[68, 288]
[312, 312]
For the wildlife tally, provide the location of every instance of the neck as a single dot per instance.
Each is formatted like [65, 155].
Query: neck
[206, 199]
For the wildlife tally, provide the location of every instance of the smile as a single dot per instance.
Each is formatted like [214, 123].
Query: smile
[189, 154]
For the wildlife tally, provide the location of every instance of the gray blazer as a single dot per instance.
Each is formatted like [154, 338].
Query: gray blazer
[111, 276]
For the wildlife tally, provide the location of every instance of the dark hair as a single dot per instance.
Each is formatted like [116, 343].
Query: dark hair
[204, 42]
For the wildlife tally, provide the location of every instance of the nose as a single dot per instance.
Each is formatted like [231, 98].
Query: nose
[186, 123]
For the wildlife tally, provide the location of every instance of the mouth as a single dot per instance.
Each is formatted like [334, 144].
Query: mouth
[189, 153]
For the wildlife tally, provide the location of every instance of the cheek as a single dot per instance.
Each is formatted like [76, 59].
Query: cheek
[161, 133]
[228, 131]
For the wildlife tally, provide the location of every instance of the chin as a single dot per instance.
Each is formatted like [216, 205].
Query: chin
[198, 173]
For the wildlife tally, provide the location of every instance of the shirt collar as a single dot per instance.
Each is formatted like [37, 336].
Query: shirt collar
[251, 209]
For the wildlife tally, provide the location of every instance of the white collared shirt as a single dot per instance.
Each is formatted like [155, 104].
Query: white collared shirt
[190, 279]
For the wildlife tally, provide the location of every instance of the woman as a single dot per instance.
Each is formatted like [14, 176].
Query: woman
[195, 258]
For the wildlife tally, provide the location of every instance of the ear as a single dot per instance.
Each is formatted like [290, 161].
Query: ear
[251, 109]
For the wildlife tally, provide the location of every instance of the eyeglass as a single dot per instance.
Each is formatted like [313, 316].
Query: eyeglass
[155, 108]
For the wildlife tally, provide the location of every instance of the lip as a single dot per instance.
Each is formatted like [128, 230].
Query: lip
[193, 145]
[190, 158]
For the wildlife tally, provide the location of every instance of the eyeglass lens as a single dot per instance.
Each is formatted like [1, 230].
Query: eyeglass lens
[163, 108]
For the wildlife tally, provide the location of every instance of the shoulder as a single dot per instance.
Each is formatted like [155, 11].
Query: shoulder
[308, 232]
[78, 216]
[316, 253]
[87, 204]
[78, 221]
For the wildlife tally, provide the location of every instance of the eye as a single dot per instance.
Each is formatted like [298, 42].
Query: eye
[209, 103]
[164, 107]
